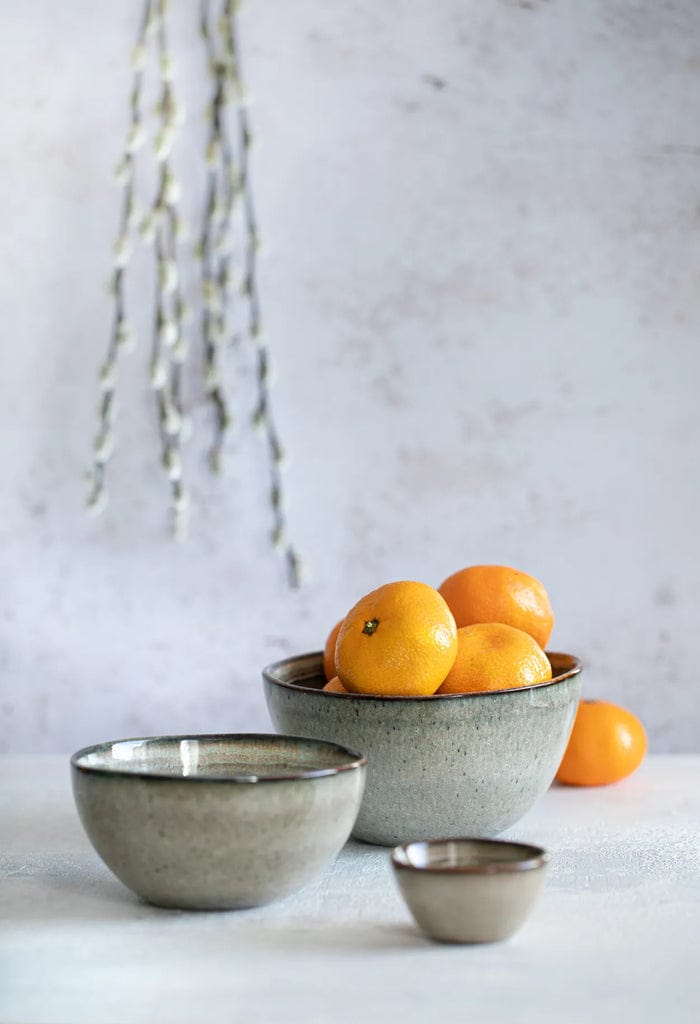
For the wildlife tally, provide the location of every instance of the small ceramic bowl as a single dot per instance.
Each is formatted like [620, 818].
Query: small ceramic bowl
[469, 890]
[456, 764]
[217, 822]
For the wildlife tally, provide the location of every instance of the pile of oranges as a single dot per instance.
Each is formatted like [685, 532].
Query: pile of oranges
[484, 628]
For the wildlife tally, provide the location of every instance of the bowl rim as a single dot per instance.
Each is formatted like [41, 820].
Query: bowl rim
[269, 677]
[533, 857]
[355, 759]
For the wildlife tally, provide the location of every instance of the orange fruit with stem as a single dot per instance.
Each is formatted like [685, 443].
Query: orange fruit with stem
[399, 640]
[329, 652]
[607, 743]
[497, 593]
[493, 656]
[334, 685]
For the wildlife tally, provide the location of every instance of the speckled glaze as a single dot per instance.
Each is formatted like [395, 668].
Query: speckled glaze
[217, 822]
[469, 890]
[459, 764]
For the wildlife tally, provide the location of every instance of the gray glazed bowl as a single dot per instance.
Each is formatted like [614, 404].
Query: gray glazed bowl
[469, 890]
[457, 764]
[217, 822]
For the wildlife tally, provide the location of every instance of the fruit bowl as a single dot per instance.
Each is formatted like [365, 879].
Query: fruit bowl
[454, 764]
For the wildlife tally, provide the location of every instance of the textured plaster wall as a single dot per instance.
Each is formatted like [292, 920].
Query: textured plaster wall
[482, 291]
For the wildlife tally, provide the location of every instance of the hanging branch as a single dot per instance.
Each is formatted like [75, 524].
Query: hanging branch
[262, 416]
[214, 245]
[228, 190]
[122, 337]
[169, 348]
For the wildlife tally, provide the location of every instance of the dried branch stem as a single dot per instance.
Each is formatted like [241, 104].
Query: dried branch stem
[169, 347]
[215, 241]
[262, 416]
[121, 337]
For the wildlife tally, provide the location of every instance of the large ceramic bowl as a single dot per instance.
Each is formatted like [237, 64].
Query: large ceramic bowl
[458, 764]
[217, 822]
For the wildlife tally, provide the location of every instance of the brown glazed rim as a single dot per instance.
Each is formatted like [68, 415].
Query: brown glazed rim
[533, 857]
[270, 677]
[354, 762]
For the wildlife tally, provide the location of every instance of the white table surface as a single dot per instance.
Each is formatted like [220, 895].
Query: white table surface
[615, 937]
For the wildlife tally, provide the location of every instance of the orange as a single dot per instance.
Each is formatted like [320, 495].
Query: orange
[493, 656]
[606, 744]
[399, 640]
[497, 593]
[329, 652]
[335, 686]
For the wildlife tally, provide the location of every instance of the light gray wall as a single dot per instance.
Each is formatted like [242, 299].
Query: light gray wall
[483, 305]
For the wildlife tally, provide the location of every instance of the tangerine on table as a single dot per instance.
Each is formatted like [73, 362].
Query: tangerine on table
[607, 743]
[398, 640]
[497, 593]
[329, 652]
[493, 656]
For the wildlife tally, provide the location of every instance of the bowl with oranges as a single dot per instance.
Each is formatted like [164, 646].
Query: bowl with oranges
[449, 694]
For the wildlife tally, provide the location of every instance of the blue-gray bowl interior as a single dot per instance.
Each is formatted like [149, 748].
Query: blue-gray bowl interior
[468, 856]
[234, 758]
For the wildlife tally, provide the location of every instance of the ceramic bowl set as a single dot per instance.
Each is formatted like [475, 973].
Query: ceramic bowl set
[234, 821]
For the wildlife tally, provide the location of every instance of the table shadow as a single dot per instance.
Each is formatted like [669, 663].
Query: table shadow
[65, 889]
[75, 887]
[341, 938]
[85, 894]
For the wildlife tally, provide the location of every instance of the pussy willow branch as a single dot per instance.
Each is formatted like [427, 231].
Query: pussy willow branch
[169, 345]
[228, 187]
[214, 242]
[262, 417]
[121, 338]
